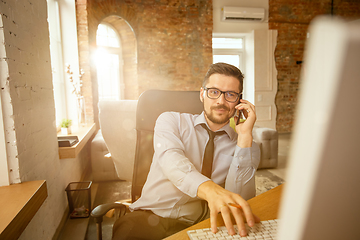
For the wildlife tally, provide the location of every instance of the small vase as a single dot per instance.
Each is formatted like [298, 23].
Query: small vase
[81, 111]
[65, 131]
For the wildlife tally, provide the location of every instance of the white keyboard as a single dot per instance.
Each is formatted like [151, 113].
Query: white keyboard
[263, 230]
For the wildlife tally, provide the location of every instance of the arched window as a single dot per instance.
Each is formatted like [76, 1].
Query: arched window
[109, 63]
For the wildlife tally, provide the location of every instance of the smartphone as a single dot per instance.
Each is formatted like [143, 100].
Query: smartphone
[241, 117]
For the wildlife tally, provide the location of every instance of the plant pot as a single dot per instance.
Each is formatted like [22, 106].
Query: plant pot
[65, 131]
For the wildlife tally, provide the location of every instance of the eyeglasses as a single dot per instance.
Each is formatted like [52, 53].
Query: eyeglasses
[214, 93]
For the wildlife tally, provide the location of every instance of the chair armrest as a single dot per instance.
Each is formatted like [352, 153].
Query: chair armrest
[267, 139]
[102, 209]
[261, 133]
[103, 168]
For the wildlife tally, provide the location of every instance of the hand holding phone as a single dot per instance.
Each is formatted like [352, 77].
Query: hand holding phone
[241, 117]
[244, 128]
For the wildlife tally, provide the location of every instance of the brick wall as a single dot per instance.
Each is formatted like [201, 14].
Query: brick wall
[28, 106]
[173, 41]
[291, 18]
[29, 112]
[26, 86]
[85, 58]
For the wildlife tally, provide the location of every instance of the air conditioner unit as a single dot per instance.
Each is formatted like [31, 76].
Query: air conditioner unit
[243, 14]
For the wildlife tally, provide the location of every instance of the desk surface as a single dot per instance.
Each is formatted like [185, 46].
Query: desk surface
[18, 205]
[265, 206]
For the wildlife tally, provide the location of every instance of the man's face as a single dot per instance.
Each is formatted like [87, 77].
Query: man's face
[219, 111]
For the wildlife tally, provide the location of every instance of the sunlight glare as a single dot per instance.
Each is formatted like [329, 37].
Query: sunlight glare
[101, 57]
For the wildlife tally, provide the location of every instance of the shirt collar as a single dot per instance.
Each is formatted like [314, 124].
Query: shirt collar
[200, 119]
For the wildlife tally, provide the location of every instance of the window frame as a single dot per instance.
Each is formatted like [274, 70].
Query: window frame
[4, 169]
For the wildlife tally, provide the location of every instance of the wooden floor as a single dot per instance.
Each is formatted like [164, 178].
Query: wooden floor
[108, 192]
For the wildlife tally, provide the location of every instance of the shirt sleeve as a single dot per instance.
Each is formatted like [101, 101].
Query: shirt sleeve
[170, 153]
[241, 175]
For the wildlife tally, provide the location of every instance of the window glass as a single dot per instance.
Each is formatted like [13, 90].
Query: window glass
[230, 59]
[108, 63]
[107, 73]
[106, 36]
[227, 43]
[229, 50]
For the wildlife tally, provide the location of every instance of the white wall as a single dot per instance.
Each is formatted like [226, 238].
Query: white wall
[249, 77]
[238, 27]
[265, 78]
[260, 83]
[29, 113]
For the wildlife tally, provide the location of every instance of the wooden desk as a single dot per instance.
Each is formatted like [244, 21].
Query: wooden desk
[18, 205]
[265, 206]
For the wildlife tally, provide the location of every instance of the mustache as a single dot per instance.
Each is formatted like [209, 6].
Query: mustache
[220, 107]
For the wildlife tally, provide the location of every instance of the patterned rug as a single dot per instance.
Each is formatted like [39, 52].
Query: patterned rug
[265, 181]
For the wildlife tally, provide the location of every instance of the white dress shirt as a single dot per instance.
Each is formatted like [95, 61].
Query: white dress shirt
[175, 174]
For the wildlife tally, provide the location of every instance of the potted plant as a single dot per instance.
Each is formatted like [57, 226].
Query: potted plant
[65, 126]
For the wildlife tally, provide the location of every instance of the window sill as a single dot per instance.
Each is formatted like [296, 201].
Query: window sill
[84, 134]
[18, 205]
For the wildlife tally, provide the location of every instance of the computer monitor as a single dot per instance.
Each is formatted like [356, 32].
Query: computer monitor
[321, 198]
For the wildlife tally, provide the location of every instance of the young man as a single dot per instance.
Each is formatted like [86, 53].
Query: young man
[178, 183]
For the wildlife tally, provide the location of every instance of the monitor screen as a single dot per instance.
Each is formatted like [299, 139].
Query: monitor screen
[322, 195]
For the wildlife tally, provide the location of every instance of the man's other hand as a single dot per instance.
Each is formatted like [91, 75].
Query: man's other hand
[218, 199]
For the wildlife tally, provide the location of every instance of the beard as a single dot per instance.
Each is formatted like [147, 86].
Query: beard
[218, 119]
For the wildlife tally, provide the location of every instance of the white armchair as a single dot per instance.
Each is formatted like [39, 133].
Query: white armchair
[117, 133]
[267, 139]
[103, 168]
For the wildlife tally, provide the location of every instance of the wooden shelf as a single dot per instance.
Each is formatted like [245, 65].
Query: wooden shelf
[84, 134]
[18, 205]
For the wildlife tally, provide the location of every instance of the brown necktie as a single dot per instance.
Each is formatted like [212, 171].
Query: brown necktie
[207, 166]
[209, 152]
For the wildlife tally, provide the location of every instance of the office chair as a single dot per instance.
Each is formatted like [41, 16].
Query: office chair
[150, 105]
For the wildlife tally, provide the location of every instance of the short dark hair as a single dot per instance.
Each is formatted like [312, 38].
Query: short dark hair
[225, 69]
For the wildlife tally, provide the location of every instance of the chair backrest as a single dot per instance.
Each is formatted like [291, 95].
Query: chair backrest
[117, 124]
[150, 105]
